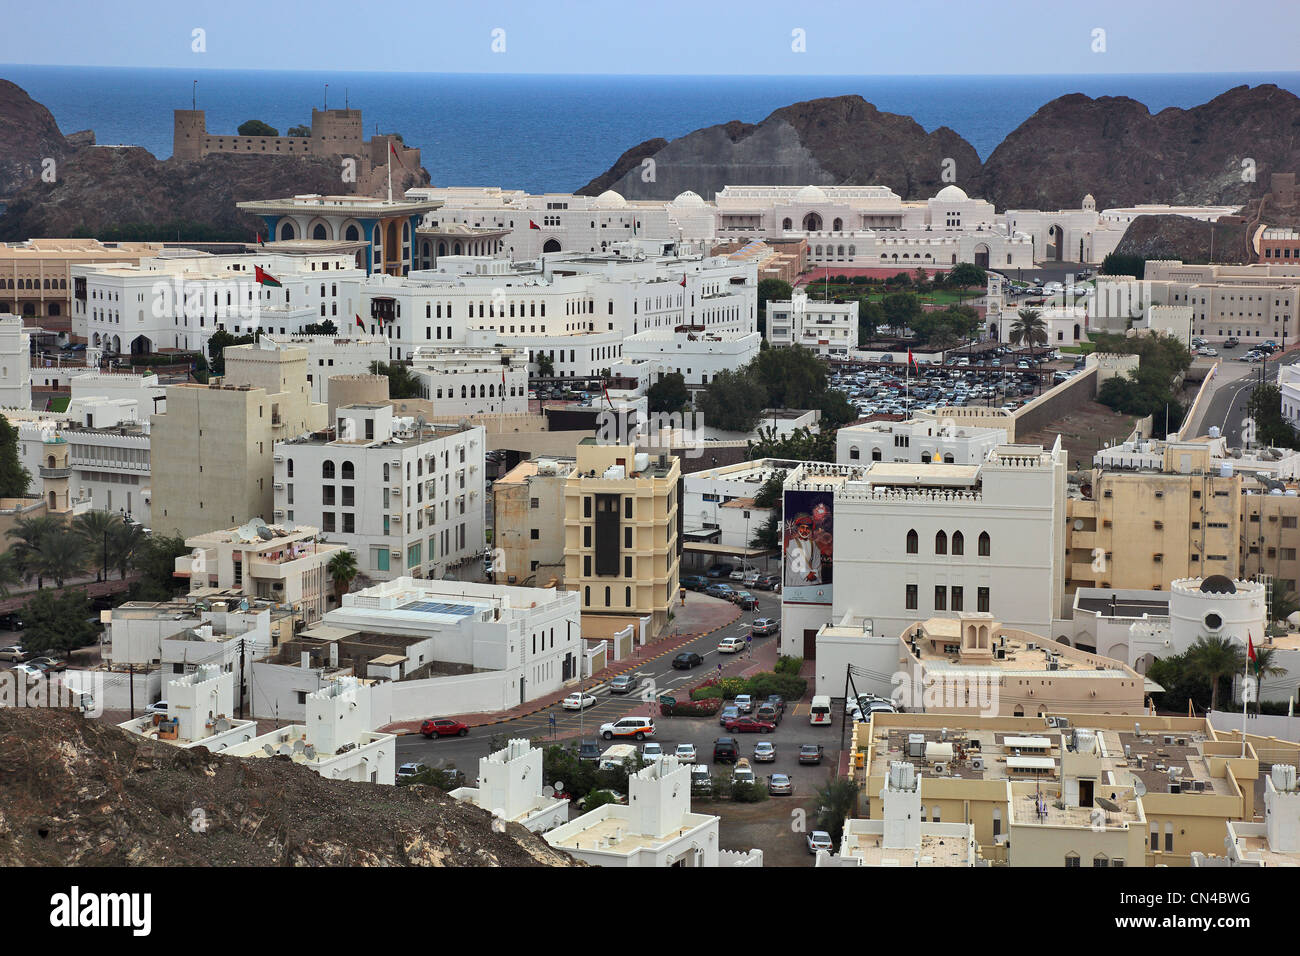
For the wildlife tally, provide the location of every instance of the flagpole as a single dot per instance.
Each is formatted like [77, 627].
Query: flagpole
[1244, 700]
[390, 170]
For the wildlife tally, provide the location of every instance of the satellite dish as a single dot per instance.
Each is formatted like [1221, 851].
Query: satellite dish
[269, 750]
[222, 725]
[299, 746]
[1139, 788]
[1078, 524]
[1107, 804]
[309, 752]
[284, 750]
[548, 791]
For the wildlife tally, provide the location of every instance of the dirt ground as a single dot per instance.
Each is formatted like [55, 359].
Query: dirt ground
[1083, 433]
[774, 826]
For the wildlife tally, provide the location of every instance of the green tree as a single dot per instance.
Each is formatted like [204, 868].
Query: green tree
[836, 801]
[901, 310]
[1028, 329]
[57, 622]
[94, 529]
[1266, 665]
[124, 545]
[545, 366]
[669, 394]
[1215, 658]
[321, 328]
[768, 290]
[401, 383]
[14, 478]
[156, 561]
[792, 377]
[1181, 683]
[342, 569]
[965, 275]
[28, 535]
[800, 445]
[836, 410]
[768, 534]
[61, 555]
[1265, 407]
[1116, 264]
[1283, 604]
[299, 131]
[871, 316]
[256, 127]
[734, 400]
[10, 576]
[218, 342]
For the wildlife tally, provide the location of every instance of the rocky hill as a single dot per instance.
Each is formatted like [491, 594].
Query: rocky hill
[1112, 147]
[29, 136]
[842, 139]
[1181, 237]
[75, 793]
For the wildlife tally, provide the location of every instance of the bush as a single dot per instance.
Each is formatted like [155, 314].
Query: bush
[692, 708]
[748, 792]
[721, 687]
[788, 665]
[765, 685]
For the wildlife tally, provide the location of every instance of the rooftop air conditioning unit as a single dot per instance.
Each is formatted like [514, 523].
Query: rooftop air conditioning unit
[977, 762]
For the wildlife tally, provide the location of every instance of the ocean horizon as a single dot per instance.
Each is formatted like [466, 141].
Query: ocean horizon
[556, 132]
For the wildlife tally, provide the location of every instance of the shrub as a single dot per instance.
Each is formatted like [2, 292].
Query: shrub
[788, 665]
[766, 684]
[748, 792]
[692, 708]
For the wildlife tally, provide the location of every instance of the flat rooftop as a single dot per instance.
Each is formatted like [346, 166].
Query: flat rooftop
[1045, 809]
[1123, 607]
[610, 832]
[934, 850]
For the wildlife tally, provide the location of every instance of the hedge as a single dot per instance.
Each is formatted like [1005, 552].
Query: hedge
[761, 686]
[692, 708]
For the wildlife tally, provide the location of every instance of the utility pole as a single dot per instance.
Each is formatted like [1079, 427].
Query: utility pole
[241, 678]
[131, 689]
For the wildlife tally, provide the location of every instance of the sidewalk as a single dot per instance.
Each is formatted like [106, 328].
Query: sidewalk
[702, 615]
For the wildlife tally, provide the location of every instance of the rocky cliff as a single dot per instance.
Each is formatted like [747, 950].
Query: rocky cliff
[1112, 147]
[28, 137]
[1191, 240]
[75, 793]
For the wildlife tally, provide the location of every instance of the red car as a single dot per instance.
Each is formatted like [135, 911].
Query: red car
[748, 725]
[444, 728]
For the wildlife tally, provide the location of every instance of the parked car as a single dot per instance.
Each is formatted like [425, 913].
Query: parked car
[820, 840]
[685, 753]
[725, 750]
[764, 752]
[737, 575]
[749, 725]
[744, 703]
[33, 673]
[720, 570]
[731, 645]
[779, 785]
[408, 770]
[443, 727]
[766, 582]
[745, 600]
[11, 622]
[719, 591]
[589, 750]
[622, 684]
[810, 753]
[694, 582]
[768, 713]
[763, 626]
[13, 652]
[638, 728]
[50, 665]
[159, 708]
[751, 579]
[652, 751]
[729, 712]
[686, 660]
[777, 701]
[743, 772]
[579, 701]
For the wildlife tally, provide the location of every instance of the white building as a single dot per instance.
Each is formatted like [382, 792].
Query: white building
[1275, 841]
[918, 441]
[827, 328]
[15, 363]
[697, 356]
[488, 647]
[408, 506]
[510, 787]
[1288, 379]
[463, 381]
[655, 829]
[178, 299]
[201, 709]
[707, 497]
[330, 355]
[914, 541]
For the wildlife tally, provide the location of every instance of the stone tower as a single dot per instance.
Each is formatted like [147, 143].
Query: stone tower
[55, 471]
[336, 132]
[189, 130]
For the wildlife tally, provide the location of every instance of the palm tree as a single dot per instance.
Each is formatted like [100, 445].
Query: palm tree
[342, 568]
[1216, 658]
[125, 542]
[1283, 605]
[95, 528]
[9, 573]
[1028, 329]
[28, 533]
[1266, 665]
[62, 555]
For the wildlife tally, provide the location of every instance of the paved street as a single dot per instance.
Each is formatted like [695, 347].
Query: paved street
[1232, 387]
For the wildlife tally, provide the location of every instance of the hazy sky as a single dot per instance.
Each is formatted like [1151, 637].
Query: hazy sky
[663, 36]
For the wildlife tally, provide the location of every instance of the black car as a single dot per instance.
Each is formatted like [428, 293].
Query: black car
[694, 582]
[725, 750]
[686, 660]
[766, 582]
[720, 570]
[777, 701]
[11, 622]
[589, 750]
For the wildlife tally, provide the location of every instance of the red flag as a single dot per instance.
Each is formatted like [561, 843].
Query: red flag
[1250, 650]
[260, 240]
[361, 325]
[533, 225]
[604, 387]
[683, 282]
[393, 149]
[911, 361]
[265, 278]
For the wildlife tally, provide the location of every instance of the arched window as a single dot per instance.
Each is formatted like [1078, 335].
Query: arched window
[290, 463]
[351, 234]
[319, 232]
[349, 471]
[875, 454]
[327, 470]
[913, 541]
[941, 543]
[853, 452]
[627, 596]
[958, 543]
[985, 544]
[948, 459]
[786, 224]
[838, 225]
[925, 458]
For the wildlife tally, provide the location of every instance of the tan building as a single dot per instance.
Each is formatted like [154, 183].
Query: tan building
[528, 513]
[1254, 302]
[289, 567]
[972, 665]
[621, 543]
[36, 275]
[212, 451]
[1067, 789]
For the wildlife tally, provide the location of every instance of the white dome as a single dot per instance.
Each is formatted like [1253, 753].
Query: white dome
[952, 194]
[609, 200]
[810, 194]
[688, 198]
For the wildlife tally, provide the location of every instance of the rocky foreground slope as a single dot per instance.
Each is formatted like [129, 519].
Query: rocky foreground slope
[80, 793]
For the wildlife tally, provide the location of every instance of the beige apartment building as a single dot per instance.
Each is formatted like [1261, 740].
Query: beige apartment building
[528, 533]
[1254, 303]
[212, 451]
[36, 276]
[1033, 788]
[621, 536]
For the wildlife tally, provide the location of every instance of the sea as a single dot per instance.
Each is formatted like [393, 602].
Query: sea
[554, 133]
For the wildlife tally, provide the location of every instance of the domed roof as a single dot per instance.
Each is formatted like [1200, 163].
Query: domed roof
[810, 194]
[1218, 584]
[609, 200]
[952, 194]
[688, 198]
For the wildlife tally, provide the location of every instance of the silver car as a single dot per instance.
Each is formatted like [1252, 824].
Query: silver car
[820, 840]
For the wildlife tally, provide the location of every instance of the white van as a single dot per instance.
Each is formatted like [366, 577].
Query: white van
[820, 713]
[614, 756]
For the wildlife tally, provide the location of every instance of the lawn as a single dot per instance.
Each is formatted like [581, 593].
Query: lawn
[937, 297]
[60, 403]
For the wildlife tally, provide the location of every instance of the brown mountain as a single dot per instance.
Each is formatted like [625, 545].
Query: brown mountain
[75, 792]
[28, 136]
[841, 139]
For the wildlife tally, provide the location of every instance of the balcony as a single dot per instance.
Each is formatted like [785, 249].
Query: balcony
[55, 472]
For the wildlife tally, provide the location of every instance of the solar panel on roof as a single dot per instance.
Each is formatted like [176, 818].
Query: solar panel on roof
[439, 607]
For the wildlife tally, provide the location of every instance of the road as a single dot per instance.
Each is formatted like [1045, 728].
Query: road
[1232, 388]
[656, 676]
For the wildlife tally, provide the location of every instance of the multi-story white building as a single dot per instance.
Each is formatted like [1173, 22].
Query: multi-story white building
[827, 328]
[722, 499]
[408, 507]
[459, 380]
[920, 441]
[330, 355]
[15, 364]
[914, 540]
[177, 300]
[697, 356]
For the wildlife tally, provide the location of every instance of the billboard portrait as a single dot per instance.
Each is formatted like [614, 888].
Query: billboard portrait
[807, 547]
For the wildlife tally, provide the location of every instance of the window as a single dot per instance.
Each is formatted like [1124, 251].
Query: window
[958, 601]
[1169, 838]
[327, 470]
[911, 597]
[349, 471]
[941, 543]
[940, 598]
[913, 541]
[982, 600]
[534, 534]
[985, 544]
[958, 543]
[586, 507]
[1072, 859]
